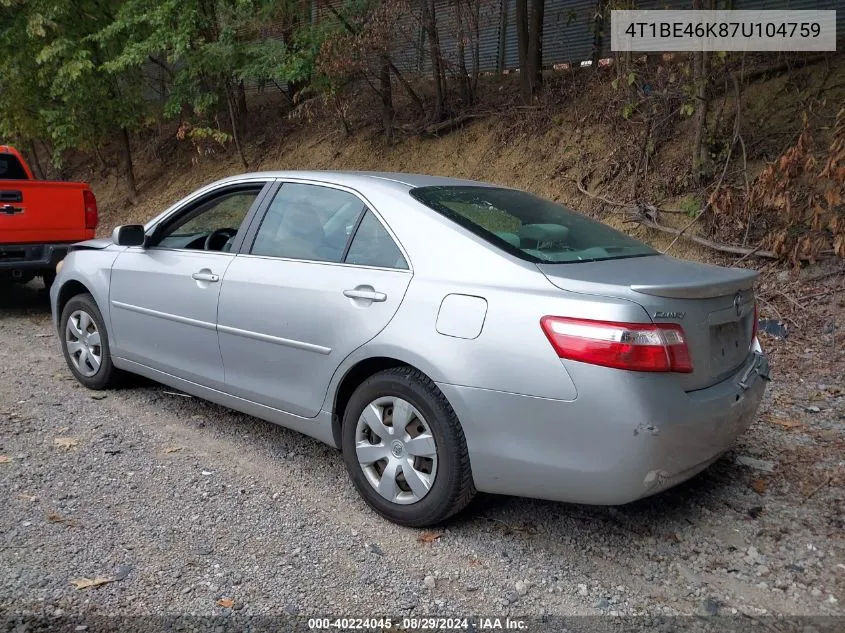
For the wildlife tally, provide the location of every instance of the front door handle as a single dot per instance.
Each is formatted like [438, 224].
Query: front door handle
[205, 275]
[365, 292]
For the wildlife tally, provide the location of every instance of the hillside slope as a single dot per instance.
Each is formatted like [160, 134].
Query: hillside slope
[577, 135]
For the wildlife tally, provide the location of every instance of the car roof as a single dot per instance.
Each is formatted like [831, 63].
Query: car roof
[362, 178]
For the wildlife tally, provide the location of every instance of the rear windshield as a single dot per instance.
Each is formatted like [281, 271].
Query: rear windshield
[530, 227]
[11, 168]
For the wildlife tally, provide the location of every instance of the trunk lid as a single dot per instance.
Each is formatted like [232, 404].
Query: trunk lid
[713, 305]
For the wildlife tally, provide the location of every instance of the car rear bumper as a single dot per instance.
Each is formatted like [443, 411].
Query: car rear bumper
[621, 439]
[32, 257]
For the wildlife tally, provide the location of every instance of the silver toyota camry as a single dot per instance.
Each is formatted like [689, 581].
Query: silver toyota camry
[447, 335]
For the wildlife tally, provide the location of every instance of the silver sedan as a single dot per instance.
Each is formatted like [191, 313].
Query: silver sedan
[447, 335]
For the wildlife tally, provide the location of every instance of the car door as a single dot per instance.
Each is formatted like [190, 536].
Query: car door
[321, 277]
[163, 296]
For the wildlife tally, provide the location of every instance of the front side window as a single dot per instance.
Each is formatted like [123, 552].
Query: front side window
[308, 222]
[211, 225]
[528, 226]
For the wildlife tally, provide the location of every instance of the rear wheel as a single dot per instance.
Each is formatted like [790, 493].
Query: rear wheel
[85, 344]
[405, 450]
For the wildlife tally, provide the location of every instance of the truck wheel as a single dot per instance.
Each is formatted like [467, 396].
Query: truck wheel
[48, 279]
[85, 344]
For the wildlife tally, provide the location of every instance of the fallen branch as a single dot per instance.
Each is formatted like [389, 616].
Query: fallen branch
[644, 214]
[747, 255]
[450, 124]
[594, 196]
[824, 484]
[716, 246]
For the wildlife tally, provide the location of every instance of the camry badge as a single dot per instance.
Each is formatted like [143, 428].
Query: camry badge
[669, 315]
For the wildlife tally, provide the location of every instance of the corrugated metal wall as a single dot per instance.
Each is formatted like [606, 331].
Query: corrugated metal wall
[568, 30]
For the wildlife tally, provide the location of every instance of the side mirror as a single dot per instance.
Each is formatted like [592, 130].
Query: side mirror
[129, 235]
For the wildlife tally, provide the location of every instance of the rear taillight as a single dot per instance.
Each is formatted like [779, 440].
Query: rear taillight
[92, 217]
[632, 346]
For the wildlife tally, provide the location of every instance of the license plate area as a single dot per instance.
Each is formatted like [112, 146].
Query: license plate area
[729, 346]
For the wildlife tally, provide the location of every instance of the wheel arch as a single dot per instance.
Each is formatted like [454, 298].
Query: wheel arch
[70, 289]
[356, 371]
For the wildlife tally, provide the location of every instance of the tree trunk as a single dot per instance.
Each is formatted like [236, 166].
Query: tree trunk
[415, 98]
[128, 171]
[233, 119]
[535, 45]
[701, 79]
[386, 90]
[598, 31]
[529, 34]
[35, 161]
[522, 45]
[464, 84]
[476, 44]
[430, 26]
[242, 109]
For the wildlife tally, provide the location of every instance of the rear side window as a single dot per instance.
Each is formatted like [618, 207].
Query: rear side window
[11, 168]
[373, 246]
[528, 226]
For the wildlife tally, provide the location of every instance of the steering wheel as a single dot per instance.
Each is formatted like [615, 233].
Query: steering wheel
[216, 235]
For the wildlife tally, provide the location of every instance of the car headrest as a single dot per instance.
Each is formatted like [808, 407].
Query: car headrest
[543, 232]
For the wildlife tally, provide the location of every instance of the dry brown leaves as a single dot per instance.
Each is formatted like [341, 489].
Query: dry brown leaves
[429, 537]
[54, 517]
[85, 583]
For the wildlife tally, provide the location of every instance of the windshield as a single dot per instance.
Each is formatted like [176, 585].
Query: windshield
[528, 226]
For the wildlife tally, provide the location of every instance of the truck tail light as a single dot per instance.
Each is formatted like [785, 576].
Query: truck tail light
[631, 346]
[92, 217]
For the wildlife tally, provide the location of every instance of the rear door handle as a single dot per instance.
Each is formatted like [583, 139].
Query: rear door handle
[363, 293]
[205, 275]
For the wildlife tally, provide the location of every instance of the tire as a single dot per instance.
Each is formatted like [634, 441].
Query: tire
[445, 473]
[48, 278]
[106, 375]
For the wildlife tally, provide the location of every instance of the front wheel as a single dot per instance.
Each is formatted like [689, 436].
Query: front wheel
[85, 343]
[405, 450]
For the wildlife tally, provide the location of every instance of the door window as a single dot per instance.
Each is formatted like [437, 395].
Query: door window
[212, 224]
[308, 222]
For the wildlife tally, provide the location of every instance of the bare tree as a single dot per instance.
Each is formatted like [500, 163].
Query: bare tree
[429, 23]
[701, 81]
[128, 171]
[529, 32]
[386, 93]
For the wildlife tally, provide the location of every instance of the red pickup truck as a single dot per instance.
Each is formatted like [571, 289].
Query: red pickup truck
[39, 219]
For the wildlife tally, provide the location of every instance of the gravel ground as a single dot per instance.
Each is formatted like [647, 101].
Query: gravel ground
[189, 506]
